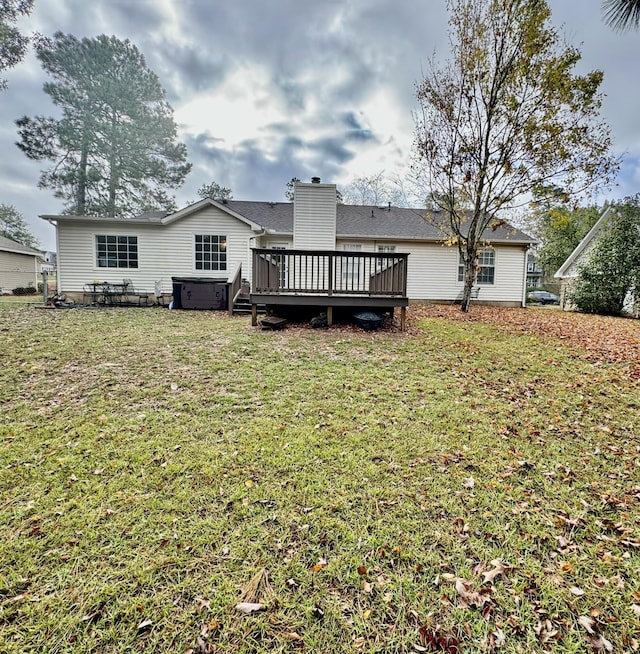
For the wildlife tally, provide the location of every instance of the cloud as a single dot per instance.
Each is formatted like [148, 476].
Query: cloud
[264, 91]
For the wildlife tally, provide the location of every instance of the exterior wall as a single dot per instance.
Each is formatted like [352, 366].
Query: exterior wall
[164, 251]
[18, 270]
[433, 273]
[314, 216]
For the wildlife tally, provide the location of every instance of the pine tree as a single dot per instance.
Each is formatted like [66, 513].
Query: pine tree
[115, 149]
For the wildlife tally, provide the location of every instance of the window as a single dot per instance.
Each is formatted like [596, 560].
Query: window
[117, 251]
[385, 263]
[211, 252]
[485, 269]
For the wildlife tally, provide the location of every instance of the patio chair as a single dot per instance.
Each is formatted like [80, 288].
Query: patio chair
[130, 291]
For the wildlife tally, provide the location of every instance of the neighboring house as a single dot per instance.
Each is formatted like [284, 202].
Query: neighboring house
[570, 269]
[534, 271]
[48, 263]
[290, 252]
[19, 265]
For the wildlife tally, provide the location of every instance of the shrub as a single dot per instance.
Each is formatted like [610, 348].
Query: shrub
[613, 268]
[24, 290]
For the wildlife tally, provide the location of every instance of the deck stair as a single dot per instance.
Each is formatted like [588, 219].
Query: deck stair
[242, 306]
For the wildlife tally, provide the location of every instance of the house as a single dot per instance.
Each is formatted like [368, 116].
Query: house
[534, 271]
[313, 251]
[48, 262]
[570, 269]
[19, 265]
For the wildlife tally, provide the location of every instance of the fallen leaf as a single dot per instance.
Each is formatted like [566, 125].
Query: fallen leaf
[499, 638]
[587, 623]
[145, 624]
[249, 607]
[322, 563]
[292, 635]
[601, 644]
[565, 567]
[498, 569]
[469, 482]
[468, 597]
[578, 592]
[202, 603]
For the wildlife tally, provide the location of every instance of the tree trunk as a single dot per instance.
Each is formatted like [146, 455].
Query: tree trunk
[469, 279]
[113, 170]
[81, 192]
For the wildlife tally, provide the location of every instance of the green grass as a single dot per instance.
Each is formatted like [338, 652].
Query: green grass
[153, 462]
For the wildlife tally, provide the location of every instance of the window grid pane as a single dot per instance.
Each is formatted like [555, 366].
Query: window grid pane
[116, 251]
[485, 268]
[210, 252]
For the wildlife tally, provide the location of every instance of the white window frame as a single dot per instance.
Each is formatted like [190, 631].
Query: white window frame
[221, 253]
[352, 269]
[481, 265]
[123, 249]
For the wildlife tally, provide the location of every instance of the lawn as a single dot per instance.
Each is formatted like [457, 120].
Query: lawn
[179, 481]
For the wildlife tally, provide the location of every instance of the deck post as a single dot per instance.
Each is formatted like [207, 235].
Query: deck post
[254, 315]
[403, 318]
[329, 316]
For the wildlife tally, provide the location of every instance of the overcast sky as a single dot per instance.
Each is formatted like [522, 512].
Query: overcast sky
[265, 91]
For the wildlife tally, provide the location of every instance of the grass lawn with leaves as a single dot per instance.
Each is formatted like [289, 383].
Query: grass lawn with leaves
[179, 481]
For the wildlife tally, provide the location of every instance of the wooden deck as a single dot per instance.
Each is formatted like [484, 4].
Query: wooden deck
[329, 278]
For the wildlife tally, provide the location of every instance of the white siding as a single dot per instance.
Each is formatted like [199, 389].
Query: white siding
[164, 251]
[433, 273]
[314, 216]
[18, 270]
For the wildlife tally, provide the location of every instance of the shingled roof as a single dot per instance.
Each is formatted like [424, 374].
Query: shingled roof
[356, 221]
[353, 221]
[7, 245]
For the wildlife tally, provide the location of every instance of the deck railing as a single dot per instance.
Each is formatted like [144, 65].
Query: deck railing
[235, 287]
[328, 272]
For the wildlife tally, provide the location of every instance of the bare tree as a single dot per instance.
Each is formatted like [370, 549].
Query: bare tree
[374, 190]
[505, 119]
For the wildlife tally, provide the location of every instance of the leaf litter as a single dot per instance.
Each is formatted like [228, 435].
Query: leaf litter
[448, 465]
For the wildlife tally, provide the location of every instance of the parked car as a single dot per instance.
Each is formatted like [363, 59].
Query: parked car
[543, 297]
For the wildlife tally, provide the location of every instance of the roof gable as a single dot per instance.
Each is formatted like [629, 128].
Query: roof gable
[203, 204]
[583, 245]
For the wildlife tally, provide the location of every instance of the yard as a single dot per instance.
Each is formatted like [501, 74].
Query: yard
[179, 481]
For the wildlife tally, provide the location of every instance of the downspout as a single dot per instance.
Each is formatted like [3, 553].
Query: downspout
[252, 242]
[523, 302]
[58, 277]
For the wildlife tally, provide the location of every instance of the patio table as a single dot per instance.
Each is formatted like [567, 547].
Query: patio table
[107, 293]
